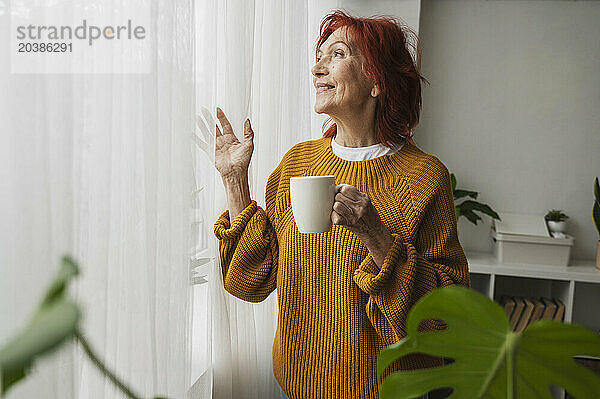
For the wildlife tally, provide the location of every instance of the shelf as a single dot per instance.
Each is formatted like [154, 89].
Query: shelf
[578, 270]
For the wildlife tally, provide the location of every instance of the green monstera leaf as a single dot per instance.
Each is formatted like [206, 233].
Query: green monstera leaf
[490, 361]
[54, 321]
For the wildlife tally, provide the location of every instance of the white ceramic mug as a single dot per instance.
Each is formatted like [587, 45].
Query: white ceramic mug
[312, 199]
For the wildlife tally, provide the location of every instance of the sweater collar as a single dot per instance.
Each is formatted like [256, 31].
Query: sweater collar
[380, 171]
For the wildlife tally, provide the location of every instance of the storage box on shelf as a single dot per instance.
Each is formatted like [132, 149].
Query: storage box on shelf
[577, 286]
[509, 248]
[525, 239]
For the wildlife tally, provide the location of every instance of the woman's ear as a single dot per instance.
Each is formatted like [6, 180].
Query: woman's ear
[375, 91]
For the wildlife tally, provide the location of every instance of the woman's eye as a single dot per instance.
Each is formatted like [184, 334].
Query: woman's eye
[340, 53]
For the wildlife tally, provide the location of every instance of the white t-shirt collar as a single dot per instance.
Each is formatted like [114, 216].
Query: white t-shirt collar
[362, 153]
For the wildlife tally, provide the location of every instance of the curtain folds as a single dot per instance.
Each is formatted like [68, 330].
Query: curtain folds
[99, 166]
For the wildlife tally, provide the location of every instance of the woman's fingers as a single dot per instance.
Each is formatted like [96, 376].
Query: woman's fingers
[351, 192]
[343, 212]
[344, 198]
[342, 207]
[218, 132]
[337, 218]
[354, 212]
[248, 132]
[227, 129]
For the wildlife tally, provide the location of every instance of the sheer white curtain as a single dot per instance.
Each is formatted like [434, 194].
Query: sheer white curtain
[100, 166]
[253, 61]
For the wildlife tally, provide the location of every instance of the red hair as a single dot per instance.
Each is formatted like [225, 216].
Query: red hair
[384, 43]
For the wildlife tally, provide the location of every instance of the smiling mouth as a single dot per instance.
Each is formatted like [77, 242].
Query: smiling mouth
[325, 89]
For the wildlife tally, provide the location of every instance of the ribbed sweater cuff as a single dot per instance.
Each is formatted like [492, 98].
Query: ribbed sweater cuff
[370, 278]
[224, 229]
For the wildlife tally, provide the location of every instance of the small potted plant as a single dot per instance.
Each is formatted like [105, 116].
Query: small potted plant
[596, 218]
[556, 221]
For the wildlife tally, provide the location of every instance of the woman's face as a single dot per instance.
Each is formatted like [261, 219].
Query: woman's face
[339, 66]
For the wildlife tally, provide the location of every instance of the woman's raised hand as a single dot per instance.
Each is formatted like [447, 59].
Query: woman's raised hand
[232, 157]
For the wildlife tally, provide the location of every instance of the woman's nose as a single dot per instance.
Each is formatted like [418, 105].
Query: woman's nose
[320, 68]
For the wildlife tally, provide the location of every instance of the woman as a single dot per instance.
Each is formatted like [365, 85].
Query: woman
[345, 294]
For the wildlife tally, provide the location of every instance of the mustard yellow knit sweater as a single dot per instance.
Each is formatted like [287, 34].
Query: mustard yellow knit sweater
[337, 309]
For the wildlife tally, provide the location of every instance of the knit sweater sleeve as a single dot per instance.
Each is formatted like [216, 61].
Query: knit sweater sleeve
[411, 271]
[248, 247]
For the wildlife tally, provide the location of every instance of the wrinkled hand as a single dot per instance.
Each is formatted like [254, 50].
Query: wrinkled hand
[356, 212]
[232, 157]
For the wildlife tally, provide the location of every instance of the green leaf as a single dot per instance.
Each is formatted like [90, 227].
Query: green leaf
[483, 208]
[453, 179]
[54, 321]
[68, 270]
[46, 331]
[490, 361]
[597, 190]
[464, 193]
[470, 215]
[596, 216]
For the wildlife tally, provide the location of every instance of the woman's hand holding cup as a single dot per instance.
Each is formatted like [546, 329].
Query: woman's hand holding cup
[354, 209]
[356, 212]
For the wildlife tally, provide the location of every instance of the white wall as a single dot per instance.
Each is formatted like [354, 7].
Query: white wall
[513, 107]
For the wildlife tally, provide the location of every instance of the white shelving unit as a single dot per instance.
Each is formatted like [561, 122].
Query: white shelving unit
[576, 285]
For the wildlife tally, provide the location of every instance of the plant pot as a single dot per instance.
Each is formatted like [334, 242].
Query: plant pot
[556, 226]
[598, 255]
